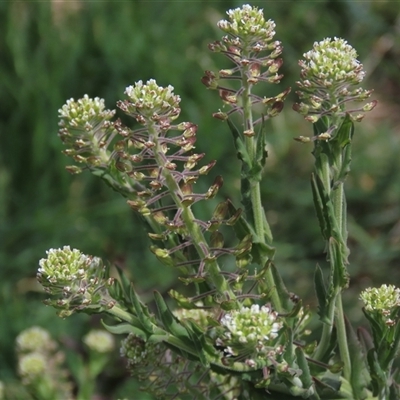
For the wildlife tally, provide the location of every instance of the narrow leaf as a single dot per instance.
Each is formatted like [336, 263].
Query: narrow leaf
[141, 311]
[305, 377]
[359, 378]
[322, 296]
[338, 258]
[124, 328]
[261, 152]
[319, 208]
[242, 153]
[170, 322]
[280, 288]
[125, 283]
[345, 133]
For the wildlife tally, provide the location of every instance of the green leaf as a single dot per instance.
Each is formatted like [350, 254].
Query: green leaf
[365, 339]
[289, 352]
[261, 152]
[377, 333]
[305, 377]
[124, 328]
[200, 343]
[170, 322]
[345, 133]
[324, 208]
[359, 377]
[280, 287]
[242, 153]
[393, 348]
[116, 291]
[241, 226]
[345, 168]
[142, 311]
[175, 344]
[338, 256]
[260, 251]
[328, 388]
[320, 208]
[322, 296]
[378, 377]
[124, 282]
[321, 126]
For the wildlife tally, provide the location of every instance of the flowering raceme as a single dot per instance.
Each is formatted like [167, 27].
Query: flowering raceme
[249, 45]
[330, 73]
[87, 131]
[80, 281]
[251, 332]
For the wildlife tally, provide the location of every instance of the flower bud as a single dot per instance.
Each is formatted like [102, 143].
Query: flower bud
[151, 102]
[78, 281]
[383, 299]
[330, 73]
[252, 331]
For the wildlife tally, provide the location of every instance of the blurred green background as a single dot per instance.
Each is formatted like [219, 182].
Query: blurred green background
[54, 50]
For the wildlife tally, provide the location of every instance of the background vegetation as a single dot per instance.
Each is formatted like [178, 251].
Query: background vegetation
[52, 51]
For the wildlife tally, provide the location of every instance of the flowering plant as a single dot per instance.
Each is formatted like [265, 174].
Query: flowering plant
[240, 334]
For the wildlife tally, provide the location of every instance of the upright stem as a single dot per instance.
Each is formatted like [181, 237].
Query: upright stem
[215, 277]
[335, 313]
[338, 202]
[261, 226]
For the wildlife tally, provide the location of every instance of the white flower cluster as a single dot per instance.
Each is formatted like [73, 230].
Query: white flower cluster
[251, 330]
[84, 112]
[384, 299]
[151, 101]
[78, 280]
[247, 21]
[64, 265]
[332, 62]
[330, 74]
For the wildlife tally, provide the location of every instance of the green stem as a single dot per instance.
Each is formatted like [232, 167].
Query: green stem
[337, 197]
[214, 276]
[86, 387]
[261, 226]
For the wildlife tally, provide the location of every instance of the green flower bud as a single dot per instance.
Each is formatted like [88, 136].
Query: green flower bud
[150, 102]
[79, 281]
[329, 74]
[85, 113]
[87, 131]
[248, 24]
[383, 300]
[252, 331]
[99, 341]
